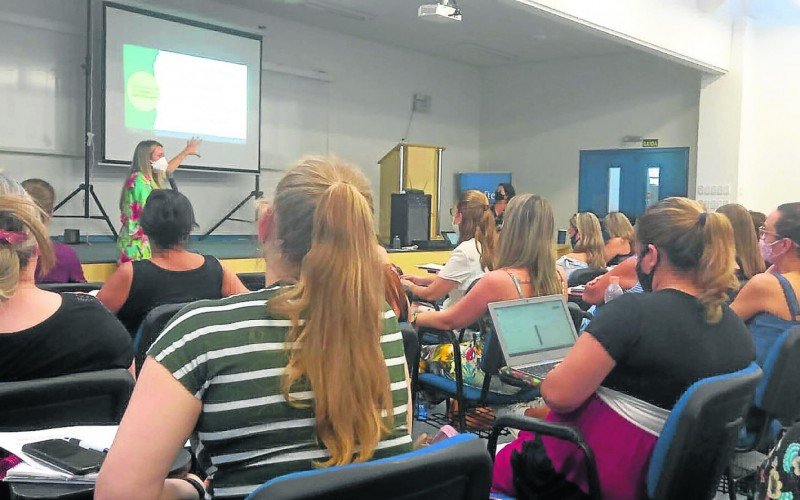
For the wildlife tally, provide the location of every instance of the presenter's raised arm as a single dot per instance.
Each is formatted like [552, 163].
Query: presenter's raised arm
[190, 150]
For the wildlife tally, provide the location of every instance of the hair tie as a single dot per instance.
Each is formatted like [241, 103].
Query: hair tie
[12, 237]
[702, 218]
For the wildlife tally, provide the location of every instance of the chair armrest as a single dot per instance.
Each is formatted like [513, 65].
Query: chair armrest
[559, 431]
[428, 336]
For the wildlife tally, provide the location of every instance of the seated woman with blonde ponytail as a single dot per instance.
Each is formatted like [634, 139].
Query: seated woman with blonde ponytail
[308, 372]
[627, 371]
[474, 255]
[44, 334]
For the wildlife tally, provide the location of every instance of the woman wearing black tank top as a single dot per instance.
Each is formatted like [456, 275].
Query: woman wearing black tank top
[173, 275]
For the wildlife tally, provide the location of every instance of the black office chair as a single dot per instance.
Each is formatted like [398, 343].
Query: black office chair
[583, 276]
[150, 329]
[458, 468]
[776, 406]
[70, 287]
[578, 315]
[490, 363]
[694, 446]
[253, 281]
[90, 398]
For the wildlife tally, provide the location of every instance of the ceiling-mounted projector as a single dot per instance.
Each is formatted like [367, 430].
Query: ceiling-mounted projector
[443, 12]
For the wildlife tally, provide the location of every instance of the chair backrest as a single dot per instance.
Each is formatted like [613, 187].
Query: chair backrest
[90, 398]
[253, 281]
[150, 329]
[583, 276]
[456, 468]
[70, 287]
[778, 394]
[578, 315]
[700, 435]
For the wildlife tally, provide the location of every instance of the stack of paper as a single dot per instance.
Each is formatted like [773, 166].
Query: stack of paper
[98, 436]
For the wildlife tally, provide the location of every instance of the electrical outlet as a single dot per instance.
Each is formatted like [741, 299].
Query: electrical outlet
[421, 103]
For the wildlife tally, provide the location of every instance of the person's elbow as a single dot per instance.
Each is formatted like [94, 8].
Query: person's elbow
[560, 398]
[115, 486]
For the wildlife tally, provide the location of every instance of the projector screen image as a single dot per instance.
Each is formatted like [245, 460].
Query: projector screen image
[181, 96]
[170, 80]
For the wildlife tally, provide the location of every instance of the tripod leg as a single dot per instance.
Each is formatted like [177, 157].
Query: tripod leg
[253, 195]
[77, 190]
[102, 211]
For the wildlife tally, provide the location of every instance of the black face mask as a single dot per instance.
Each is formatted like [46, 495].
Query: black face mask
[498, 196]
[645, 280]
[573, 240]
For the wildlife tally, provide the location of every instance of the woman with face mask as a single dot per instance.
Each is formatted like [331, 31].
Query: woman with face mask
[149, 170]
[768, 302]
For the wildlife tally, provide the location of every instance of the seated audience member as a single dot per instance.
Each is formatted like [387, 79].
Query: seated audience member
[595, 290]
[758, 220]
[339, 395]
[173, 274]
[620, 238]
[768, 302]
[779, 473]
[502, 195]
[526, 267]
[475, 253]
[587, 244]
[67, 267]
[44, 334]
[748, 259]
[625, 373]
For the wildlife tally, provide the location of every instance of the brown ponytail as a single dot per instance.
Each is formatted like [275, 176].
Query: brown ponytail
[715, 272]
[20, 214]
[478, 222]
[694, 242]
[324, 215]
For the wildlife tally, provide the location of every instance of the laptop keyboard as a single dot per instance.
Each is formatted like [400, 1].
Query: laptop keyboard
[539, 371]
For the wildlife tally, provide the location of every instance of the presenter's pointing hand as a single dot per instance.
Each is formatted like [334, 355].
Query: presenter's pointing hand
[192, 145]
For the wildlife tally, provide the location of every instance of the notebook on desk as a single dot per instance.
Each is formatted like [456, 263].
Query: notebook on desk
[534, 334]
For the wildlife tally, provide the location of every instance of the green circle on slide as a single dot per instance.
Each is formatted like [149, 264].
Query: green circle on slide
[142, 90]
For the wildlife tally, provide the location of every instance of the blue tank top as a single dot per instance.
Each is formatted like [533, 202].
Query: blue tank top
[766, 327]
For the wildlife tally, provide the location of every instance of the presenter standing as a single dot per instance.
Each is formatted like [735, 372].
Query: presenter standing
[149, 170]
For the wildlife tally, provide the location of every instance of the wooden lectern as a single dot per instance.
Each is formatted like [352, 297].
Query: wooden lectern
[410, 166]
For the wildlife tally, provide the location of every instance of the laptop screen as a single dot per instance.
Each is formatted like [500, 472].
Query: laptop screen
[530, 327]
[451, 236]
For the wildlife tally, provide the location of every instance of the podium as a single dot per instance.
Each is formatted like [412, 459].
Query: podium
[410, 166]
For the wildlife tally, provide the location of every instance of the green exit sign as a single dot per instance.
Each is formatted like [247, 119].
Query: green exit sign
[649, 143]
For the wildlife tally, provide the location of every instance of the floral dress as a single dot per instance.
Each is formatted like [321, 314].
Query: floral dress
[779, 475]
[132, 242]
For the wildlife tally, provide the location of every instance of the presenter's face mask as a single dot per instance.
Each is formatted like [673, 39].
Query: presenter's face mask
[160, 165]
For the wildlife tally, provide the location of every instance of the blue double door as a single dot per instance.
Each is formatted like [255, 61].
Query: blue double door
[629, 180]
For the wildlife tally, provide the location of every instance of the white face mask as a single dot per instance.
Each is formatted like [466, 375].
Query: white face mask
[160, 165]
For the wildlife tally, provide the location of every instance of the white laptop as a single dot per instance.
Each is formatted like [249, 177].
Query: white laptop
[534, 334]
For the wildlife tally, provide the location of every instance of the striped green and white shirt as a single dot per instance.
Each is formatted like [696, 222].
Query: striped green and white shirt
[230, 354]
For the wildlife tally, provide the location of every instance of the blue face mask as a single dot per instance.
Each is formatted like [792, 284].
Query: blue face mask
[455, 227]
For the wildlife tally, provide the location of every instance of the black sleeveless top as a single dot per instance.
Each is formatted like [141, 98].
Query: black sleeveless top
[153, 286]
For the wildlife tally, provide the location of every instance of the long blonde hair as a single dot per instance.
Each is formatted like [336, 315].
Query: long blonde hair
[477, 222]
[324, 218]
[591, 239]
[618, 226]
[694, 242]
[141, 163]
[20, 214]
[747, 254]
[527, 241]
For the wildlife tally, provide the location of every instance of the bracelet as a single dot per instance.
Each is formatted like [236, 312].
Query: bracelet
[414, 318]
[197, 485]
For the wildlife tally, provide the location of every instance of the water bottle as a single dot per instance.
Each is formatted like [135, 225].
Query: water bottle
[396, 242]
[614, 290]
[422, 411]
